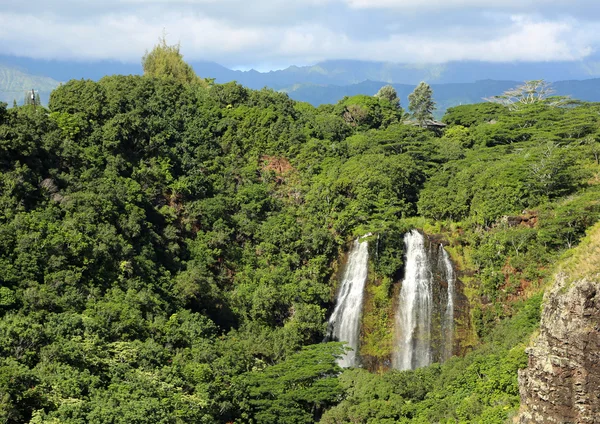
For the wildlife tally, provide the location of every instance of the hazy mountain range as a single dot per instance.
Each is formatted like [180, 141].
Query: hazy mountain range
[327, 82]
[445, 95]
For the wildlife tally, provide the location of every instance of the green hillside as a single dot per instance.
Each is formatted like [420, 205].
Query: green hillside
[169, 249]
[14, 83]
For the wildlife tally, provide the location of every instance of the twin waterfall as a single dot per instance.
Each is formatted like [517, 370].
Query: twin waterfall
[425, 313]
[424, 321]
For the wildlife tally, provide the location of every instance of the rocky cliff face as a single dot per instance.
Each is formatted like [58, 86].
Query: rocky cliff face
[562, 381]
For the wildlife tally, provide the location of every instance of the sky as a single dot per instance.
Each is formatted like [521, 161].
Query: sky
[272, 34]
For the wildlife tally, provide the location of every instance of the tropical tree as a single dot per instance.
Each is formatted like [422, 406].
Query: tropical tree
[297, 390]
[167, 61]
[388, 92]
[421, 104]
[534, 91]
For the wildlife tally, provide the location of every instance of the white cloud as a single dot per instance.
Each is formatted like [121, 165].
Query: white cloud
[523, 40]
[127, 34]
[121, 37]
[451, 4]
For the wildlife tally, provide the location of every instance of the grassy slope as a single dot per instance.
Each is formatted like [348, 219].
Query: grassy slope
[584, 261]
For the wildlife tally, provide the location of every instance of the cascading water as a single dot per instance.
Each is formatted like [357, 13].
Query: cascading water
[425, 310]
[344, 323]
[448, 318]
[413, 317]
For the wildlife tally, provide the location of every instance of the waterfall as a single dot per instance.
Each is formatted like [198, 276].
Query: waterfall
[448, 318]
[413, 316]
[344, 323]
[425, 310]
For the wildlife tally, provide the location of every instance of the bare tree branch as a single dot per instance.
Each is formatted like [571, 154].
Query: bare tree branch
[535, 91]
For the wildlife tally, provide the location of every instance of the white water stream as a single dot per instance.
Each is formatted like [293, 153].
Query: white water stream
[413, 316]
[448, 320]
[344, 323]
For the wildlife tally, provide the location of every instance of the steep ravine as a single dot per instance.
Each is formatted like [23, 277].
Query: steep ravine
[562, 381]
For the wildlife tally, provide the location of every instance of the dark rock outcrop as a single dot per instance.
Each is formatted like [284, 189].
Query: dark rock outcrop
[562, 381]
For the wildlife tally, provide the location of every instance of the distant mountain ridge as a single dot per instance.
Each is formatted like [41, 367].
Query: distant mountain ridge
[445, 95]
[329, 81]
[349, 72]
[331, 72]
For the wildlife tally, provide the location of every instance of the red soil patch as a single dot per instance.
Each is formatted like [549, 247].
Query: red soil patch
[281, 166]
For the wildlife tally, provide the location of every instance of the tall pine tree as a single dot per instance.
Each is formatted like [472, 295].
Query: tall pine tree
[421, 104]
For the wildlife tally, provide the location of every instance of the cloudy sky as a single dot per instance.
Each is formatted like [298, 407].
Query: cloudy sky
[276, 33]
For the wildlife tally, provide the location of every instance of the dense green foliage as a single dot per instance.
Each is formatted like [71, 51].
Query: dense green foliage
[480, 387]
[164, 239]
[166, 248]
